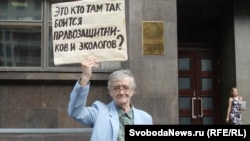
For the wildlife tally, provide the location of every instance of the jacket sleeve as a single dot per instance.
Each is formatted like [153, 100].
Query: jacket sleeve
[77, 105]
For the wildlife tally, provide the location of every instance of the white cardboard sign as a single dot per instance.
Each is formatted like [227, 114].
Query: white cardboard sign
[89, 27]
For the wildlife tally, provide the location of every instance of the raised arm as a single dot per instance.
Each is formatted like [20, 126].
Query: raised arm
[87, 64]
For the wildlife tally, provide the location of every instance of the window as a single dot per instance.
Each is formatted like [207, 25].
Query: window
[20, 41]
[25, 37]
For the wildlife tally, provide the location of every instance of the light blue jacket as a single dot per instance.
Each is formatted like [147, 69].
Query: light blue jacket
[101, 117]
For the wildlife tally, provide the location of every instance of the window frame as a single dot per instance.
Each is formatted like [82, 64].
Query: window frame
[45, 23]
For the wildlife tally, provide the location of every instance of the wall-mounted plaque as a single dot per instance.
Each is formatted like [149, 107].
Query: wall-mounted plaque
[152, 38]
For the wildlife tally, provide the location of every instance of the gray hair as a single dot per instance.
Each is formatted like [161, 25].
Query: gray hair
[120, 74]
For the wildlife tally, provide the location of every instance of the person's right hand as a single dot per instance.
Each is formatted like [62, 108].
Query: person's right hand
[87, 64]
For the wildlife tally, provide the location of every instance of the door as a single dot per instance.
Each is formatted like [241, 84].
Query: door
[198, 83]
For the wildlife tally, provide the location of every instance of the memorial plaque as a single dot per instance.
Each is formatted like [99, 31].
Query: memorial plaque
[152, 38]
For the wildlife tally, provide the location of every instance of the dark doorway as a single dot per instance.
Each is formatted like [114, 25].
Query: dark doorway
[198, 61]
[198, 87]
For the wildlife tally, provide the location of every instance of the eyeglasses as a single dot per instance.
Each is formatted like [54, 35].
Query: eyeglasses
[123, 88]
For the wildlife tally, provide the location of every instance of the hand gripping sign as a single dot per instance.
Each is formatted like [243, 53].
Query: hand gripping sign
[89, 27]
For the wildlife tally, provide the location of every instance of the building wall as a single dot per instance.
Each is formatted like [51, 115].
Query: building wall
[41, 100]
[242, 49]
[156, 75]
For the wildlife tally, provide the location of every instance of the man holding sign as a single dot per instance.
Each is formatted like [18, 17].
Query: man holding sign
[108, 121]
[89, 27]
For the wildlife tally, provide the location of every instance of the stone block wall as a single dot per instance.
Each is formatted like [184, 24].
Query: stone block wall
[42, 105]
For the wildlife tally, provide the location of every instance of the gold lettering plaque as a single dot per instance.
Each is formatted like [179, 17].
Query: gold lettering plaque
[152, 38]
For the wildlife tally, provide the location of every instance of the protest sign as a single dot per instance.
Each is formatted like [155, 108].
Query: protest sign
[89, 27]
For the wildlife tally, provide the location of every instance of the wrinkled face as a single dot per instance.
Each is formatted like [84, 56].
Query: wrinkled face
[122, 91]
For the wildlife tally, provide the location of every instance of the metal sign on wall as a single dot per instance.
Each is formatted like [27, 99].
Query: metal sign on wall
[153, 38]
